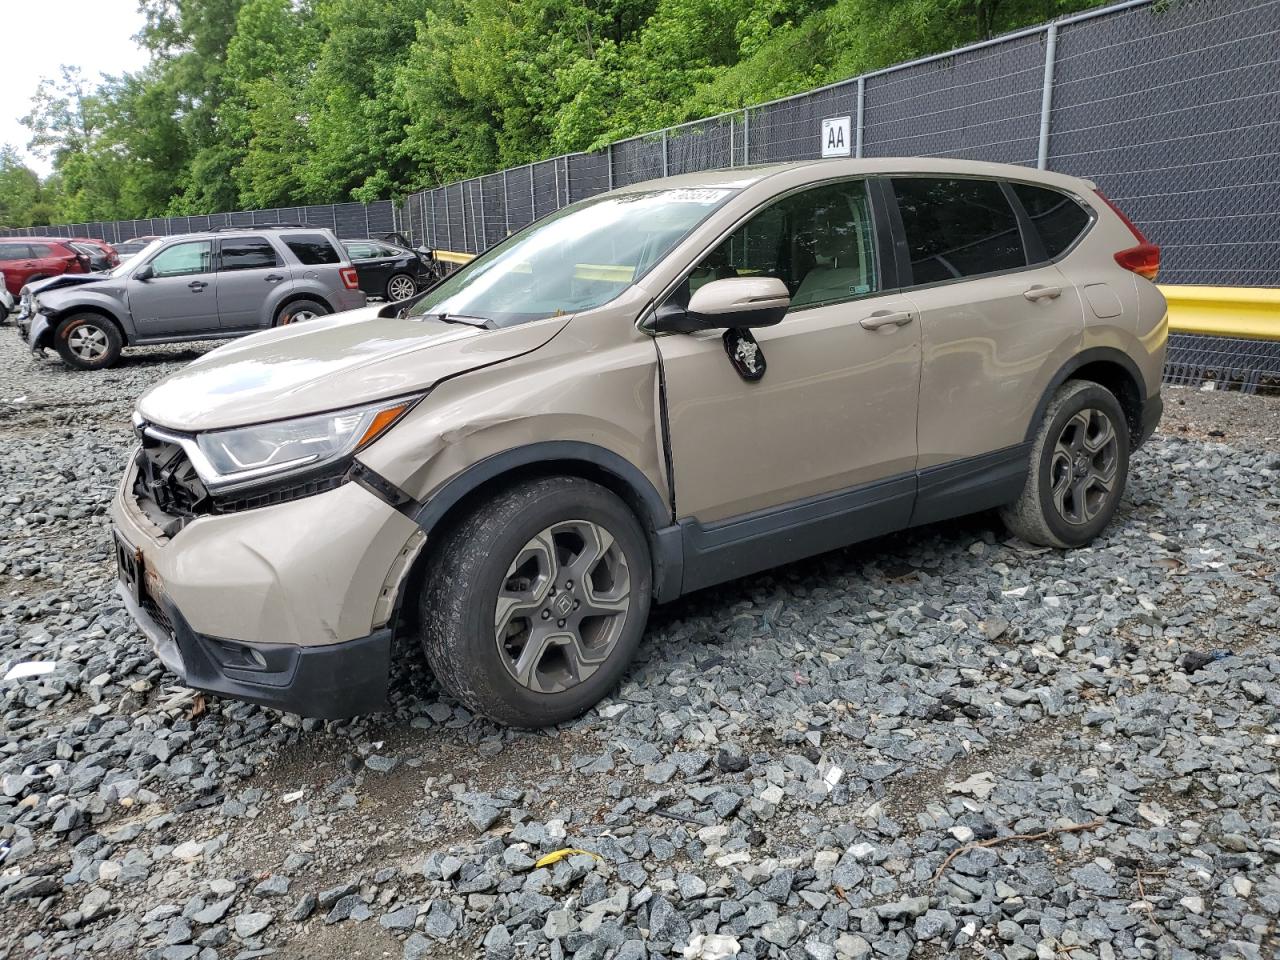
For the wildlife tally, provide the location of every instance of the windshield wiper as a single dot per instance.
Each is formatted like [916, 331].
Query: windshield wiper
[462, 318]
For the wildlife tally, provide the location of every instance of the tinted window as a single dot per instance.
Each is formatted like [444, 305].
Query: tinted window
[957, 228]
[312, 249]
[247, 253]
[13, 251]
[40, 250]
[1058, 218]
[820, 243]
[183, 258]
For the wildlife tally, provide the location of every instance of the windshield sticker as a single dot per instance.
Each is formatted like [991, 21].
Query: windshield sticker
[689, 195]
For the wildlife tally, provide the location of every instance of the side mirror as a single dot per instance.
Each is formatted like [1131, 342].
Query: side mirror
[144, 272]
[732, 302]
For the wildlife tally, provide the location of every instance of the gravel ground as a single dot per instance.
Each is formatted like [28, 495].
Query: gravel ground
[942, 743]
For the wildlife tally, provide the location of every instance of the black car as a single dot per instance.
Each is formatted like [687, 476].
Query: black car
[390, 271]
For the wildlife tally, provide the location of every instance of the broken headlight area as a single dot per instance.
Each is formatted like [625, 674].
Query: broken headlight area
[184, 476]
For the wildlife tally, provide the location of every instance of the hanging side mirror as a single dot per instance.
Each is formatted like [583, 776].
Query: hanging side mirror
[724, 304]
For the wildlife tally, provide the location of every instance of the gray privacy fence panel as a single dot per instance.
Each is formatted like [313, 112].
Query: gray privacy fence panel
[982, 105]
[345, 219]
[1176, 115]
[1173, 108]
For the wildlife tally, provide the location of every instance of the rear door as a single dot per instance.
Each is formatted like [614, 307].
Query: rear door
[993, 318]
[47, 260]
[179, 297]
[249, 269]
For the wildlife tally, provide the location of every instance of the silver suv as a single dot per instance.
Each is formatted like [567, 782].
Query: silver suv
[195, 286]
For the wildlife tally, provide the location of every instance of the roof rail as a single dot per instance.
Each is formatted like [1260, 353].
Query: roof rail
[231, 228]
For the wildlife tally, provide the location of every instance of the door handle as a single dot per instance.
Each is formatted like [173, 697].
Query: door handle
[885, 318]
[273, 278]
[197, 285]
[1038, 293]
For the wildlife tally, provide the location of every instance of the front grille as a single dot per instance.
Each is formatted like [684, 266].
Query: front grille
[156, 612]
[167, 478]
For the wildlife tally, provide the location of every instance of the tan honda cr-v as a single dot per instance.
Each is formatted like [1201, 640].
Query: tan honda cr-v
[648, 392]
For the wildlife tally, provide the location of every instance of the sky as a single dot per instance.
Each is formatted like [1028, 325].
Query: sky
[35, 38]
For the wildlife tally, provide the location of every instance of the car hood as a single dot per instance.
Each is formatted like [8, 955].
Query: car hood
[329, 363]
[64, 280]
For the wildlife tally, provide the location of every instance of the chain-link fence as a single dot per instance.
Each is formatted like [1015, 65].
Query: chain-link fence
[345, 219]
[1171, 107]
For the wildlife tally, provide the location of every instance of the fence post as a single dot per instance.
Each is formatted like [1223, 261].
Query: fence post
[732, 157]
[746, 136]
[366, 220]
[862, 100]
[1046, 96]
[609, 157]
[506, 202]
[484, 225]
[448, 221]
[664, 152]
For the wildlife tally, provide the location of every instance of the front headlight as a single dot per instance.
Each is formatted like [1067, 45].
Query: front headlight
[245, 456]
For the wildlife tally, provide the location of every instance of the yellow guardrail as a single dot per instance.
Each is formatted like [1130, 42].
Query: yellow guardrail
[1252, 312]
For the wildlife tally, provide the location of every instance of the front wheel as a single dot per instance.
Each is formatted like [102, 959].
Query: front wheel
[88, 341]
[536, 602]
[1079, 466]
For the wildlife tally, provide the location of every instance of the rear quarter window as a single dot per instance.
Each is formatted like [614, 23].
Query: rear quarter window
[1058, 218]
[312, 249]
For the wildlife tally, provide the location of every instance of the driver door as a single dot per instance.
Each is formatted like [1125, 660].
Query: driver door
[179, 297]
[822, 450]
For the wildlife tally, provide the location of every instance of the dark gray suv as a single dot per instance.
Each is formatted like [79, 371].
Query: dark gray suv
[195, 286]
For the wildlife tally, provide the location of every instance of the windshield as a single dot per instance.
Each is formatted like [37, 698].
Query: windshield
[578, 258]
[128, 260]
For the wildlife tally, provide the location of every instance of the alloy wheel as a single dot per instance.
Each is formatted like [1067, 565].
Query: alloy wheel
[562, 606]
[1083, 467]
[297, 317]
[401, 288]
[88, 342]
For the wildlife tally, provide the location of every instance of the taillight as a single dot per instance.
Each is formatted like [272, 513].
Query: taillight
[1144, 259]
[350, 279]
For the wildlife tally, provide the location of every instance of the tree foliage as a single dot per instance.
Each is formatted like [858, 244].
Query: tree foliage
[259, 103]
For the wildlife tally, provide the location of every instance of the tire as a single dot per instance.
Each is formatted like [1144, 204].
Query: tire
[88, 341]
[300, 310]
[1078, 471]
[401, 286]
[503, 545]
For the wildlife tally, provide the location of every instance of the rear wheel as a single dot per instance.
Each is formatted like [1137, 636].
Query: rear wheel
[88, 341]
[300, 310]
[536, 602]
[401, 287]
[1079, 466]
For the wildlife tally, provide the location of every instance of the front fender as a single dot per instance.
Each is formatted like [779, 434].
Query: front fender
[58, 307]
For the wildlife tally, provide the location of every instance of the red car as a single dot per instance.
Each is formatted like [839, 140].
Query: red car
[23, 259]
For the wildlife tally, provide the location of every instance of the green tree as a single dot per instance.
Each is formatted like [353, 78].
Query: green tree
[19, 189]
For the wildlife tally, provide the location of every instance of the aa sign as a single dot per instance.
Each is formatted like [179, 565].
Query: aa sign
[835, 137]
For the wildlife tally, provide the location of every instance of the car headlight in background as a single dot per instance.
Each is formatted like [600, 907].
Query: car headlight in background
[246, 456]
